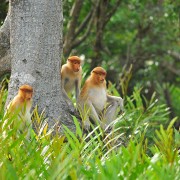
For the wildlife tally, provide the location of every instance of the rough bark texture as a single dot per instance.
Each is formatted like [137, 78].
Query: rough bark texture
[5, 60]
[36, 49]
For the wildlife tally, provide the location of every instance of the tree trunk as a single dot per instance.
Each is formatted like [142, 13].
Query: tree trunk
[36, 50]
[5, 60]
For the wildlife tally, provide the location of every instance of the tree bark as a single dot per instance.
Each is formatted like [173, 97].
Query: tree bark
[36, 50]
[5, 58]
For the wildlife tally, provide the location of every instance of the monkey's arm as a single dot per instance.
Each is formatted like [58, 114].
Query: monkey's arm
[63, 82]
[77, 88]
[119, 100]
[14, 105]
[87, 111]
[78, 83]
[65, 95]
[93, 114]
[68, 101]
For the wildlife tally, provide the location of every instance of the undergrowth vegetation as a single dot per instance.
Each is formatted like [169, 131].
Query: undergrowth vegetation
[142, 144]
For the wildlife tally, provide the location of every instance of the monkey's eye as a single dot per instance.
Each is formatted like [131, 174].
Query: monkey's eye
[76, 62]
[101, 74]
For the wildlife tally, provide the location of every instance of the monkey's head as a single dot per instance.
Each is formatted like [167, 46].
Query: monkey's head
[99, 75]
[26, 91]
[74, 62]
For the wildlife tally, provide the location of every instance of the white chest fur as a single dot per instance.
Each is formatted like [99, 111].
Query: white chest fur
[25, 114]
[98, 97]
[28, 116]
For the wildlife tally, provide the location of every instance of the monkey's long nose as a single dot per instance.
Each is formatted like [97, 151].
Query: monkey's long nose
[77, 69]
[102, 79]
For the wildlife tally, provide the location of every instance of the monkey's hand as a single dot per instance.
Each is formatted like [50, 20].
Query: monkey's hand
[120, 102]
[115, 99]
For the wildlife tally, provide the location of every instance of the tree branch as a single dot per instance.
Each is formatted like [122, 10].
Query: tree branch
[175, 55]
[84, 23]
[111, 13]
[81, 39]
[171, 68]
[72, 26]
[74, 14]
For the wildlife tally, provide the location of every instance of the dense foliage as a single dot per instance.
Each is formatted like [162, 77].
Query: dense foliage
[137, 147]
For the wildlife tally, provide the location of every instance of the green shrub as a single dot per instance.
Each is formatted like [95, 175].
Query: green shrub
[135, 148]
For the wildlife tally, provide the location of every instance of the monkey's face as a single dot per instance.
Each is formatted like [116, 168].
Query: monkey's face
[28, 95]
[25, 92]
[100, 77]
[75, 65]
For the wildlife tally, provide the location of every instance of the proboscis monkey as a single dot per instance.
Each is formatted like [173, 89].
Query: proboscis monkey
[71, 74]
[21, 104]
[95, 103]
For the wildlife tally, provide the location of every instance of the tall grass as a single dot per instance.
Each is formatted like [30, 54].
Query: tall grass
[141, 145]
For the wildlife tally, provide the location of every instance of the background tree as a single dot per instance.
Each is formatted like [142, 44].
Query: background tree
[5, 60]
[36, 51]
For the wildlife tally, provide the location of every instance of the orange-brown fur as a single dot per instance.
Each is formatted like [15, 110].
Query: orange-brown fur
[24, 96]
[22, 103]
[71, 74]
[93, 81]
[94, 98]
